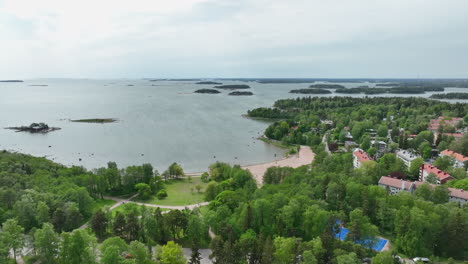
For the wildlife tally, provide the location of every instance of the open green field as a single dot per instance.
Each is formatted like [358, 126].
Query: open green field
[179, 193]
[102, 203]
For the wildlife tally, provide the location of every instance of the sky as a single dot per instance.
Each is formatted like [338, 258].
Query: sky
[233, 38]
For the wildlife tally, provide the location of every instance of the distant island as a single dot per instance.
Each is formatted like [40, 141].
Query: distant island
[209, 82]
[311, 91]
[237, 93]
[207, 91]
[11, 81]
[35, 128]
[387, 84]
[326, 86]
[233, 86]
[450, 96]
[395, 90]
[40, 85]
[95, 120]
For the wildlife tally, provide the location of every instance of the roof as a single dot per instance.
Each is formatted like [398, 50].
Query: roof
[457, 193]
[459, 157]
[455, 135]
[435, 123]
[441, 175]
[397, 183]
[406, 155]
[361, 155]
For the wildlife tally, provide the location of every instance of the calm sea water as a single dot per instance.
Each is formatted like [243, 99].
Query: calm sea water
[159, 122]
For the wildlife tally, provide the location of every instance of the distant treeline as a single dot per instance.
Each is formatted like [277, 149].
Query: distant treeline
[311, 91]
[326, 86]
[450, 96]
[395, 90]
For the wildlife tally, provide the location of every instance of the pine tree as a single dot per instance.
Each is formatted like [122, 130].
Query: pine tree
[195, 258]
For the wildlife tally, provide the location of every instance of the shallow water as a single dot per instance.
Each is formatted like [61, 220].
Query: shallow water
[159, 122]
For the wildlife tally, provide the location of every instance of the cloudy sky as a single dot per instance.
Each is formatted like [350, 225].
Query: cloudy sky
[233, 38]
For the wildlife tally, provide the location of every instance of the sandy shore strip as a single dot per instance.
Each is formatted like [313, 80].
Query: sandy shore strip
[305, 156]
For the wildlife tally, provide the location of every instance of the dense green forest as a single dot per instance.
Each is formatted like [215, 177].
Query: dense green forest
[450, 96]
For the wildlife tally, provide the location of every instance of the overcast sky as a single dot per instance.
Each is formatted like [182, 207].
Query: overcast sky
[233, 38]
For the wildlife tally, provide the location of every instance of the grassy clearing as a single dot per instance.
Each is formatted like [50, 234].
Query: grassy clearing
[102, 203]
[180, 193]
[128, 207]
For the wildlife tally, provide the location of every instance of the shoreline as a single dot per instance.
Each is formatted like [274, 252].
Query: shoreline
[305, 156]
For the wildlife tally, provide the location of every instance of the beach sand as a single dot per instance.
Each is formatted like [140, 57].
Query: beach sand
[304, 157]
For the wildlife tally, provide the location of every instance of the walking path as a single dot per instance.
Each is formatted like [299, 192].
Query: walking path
[120, 201]
[304, 157]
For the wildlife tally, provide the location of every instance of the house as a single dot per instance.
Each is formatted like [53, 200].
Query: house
[327, 123]
[459, 159]
[359, 156]
[426, 169]
[455, 195]
[395, 186]
[379, 145]
[435, 124]
[406, 156]
[350, 144]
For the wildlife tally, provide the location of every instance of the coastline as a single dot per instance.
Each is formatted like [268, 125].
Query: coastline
[305, 156]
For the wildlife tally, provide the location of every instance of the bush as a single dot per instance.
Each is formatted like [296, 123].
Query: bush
[161, 194]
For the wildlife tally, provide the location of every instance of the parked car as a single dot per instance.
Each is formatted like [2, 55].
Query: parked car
[419, 259]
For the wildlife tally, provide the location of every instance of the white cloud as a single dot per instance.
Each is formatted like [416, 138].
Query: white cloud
[216, 37]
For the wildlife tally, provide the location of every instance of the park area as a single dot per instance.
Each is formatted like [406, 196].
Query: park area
[180, 192]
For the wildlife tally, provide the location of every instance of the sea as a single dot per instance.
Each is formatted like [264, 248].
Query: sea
[158, 122]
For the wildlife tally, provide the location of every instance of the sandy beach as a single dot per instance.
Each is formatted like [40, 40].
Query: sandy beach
[304, 157]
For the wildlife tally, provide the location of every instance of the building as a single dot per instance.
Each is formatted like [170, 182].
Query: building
[455, 195]
[426, 169]
[406, 156]
[395, 186]
[435, 124]
[459, 159]
[379, 145]
[359, 156]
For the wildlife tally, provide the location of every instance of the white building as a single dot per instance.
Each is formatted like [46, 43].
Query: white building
[406, 156]
[395, 186]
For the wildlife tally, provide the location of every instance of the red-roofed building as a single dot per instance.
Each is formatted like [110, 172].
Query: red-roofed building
[394, 186]
[455, 135]
[459, 159]
[426, 169]
[455, 195]
[359, 156]
[442, 120]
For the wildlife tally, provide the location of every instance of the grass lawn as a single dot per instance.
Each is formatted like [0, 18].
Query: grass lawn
[102, 203]
[126, 208]
[179, 193]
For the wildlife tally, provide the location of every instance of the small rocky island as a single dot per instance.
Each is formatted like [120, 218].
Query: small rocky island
[207, 91]
[233, 86]
[311, 91]
[238, 93]
[11, 80]
[95, 120]
[209, 82]
[35, 128]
